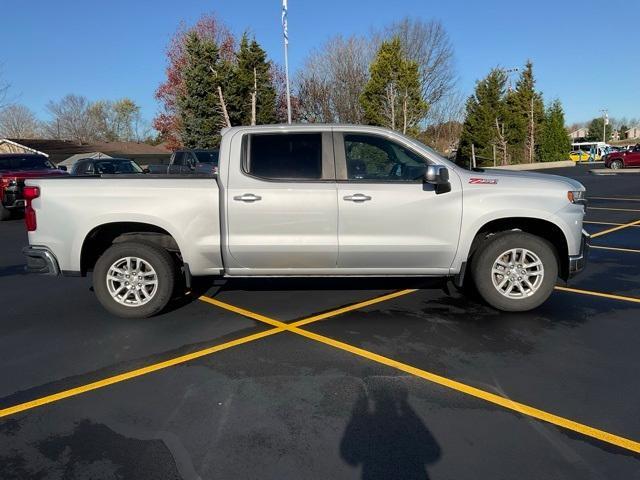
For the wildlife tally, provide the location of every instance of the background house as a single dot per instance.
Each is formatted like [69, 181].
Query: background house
[633, 132]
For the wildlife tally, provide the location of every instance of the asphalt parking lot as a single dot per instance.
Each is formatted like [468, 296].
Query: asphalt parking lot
[329, 378]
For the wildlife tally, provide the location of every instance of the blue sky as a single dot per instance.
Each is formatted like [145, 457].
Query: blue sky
[110, 49]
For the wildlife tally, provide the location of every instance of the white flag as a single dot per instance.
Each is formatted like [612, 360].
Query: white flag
[284, 22]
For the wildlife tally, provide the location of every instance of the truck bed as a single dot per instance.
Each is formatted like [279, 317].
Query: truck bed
[191, 217]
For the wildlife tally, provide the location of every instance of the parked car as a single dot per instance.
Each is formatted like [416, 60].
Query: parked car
[201, 161]
[14, 169]
[624, 158]
[105, 166]
[311, 200]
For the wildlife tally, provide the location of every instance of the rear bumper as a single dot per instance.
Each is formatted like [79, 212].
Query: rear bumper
[40, 260]
[578, 262]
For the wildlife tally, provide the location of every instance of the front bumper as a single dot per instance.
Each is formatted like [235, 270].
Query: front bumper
[578, 262]
[40, 260]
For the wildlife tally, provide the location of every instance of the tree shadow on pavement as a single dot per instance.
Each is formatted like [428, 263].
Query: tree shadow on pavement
[386, 436]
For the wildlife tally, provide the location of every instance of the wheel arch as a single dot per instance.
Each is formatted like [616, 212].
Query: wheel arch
[534, 226]
[101, 237]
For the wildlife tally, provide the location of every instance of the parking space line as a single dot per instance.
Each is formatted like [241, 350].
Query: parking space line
[610, 296]
[615, 198]
[615, 229]
[279, 327]
[451, 384]
[606, 223]
[21, 407]
[616, 249]
[615, 209]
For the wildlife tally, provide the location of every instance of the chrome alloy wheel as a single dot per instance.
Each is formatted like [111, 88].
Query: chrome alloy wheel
[517, 273]
[131, 281]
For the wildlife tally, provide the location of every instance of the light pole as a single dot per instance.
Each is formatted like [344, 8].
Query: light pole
[605, 122]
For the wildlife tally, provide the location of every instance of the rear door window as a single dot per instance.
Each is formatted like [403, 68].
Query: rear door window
[295, 156]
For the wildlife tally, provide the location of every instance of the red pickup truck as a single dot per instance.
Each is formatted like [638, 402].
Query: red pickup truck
[624, 158]
[14, 169]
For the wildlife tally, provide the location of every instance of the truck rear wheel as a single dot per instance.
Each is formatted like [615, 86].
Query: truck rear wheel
[134, 279]
[515, 271]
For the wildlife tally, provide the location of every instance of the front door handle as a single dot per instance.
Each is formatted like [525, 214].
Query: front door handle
[357, 197]
[248, 197]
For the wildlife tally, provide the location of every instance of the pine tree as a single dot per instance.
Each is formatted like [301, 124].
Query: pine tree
[555, 144]
[484, 120]
[393, 95]
[198, 102]
[524, 117]
[251, 72]
[597, 128]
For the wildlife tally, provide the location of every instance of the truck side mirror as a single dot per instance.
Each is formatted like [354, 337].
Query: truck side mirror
[438, 175]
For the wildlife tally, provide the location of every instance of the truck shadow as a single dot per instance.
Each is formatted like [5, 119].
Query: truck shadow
[385, 436]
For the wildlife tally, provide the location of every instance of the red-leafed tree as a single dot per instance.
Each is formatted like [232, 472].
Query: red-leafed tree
[279, 81]
[167, 122]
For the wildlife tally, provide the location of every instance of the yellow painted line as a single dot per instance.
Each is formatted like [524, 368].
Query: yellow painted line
[615, 209]
[615, 198]
[355, 306]
[134, 373]
[279, 327]
[606, 223]
[615, 229]
[457, 386]
[617, 249]
[478, 393]
[610, 296]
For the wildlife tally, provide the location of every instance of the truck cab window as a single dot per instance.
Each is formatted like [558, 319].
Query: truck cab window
[285, 156]
[374, 158]
[178, 158]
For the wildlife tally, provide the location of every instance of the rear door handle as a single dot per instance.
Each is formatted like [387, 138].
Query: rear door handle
[357, 197]
[248, 197]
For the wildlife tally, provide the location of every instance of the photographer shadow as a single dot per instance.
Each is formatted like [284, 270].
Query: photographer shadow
[386, 436]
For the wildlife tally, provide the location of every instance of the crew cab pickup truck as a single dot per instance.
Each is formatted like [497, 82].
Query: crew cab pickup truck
[200, 161]
[14, 169]
[311, 200]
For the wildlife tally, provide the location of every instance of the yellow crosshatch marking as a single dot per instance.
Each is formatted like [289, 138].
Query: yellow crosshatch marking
[294, 327]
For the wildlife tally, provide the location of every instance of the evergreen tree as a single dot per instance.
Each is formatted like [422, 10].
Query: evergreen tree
[596, 129]
[524, 117]
[393, 95]
[484, 117]
[251, 58]
[198, 102]
[555, 143]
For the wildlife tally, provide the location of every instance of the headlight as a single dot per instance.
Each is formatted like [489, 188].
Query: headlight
[577, 196]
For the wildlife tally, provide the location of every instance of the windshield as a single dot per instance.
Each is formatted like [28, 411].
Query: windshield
[207, 157]
[118, 166]
[25, 163]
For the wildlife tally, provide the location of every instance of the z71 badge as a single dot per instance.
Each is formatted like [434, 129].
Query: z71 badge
[483, 181]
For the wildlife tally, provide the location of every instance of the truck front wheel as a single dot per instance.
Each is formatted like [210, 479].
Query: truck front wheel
[515, 271]
[134, 279]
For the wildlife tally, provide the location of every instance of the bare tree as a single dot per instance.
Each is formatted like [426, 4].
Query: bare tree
[71, 119]
[428, 44]
[4, 89]
[445, 123]
[332, 79]
[502, 143]
[17, 121]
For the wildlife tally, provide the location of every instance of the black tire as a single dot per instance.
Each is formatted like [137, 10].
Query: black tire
[616, 164]
[5, 214]
[159, 259]
[488, 253]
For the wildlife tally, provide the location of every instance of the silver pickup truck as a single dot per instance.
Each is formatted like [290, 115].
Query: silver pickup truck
[310, 200]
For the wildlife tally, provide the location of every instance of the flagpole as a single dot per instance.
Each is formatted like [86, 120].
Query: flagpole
[286, 56]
